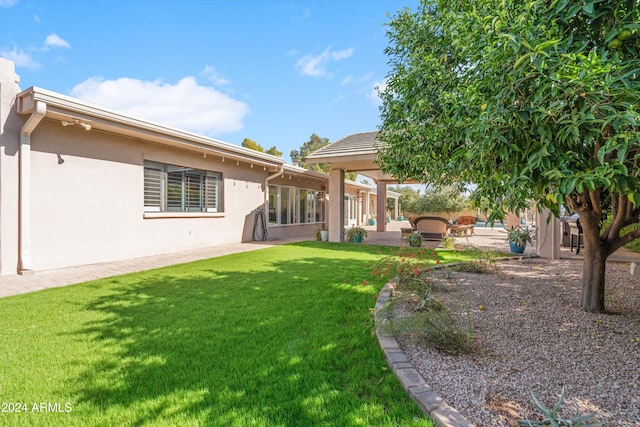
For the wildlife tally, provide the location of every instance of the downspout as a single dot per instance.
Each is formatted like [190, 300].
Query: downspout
[24, 188]
[265, 205]
[280, 173]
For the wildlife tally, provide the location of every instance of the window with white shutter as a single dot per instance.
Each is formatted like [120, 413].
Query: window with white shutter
[170, 188]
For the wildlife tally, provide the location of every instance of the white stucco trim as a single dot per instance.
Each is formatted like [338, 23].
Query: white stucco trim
[154, 215]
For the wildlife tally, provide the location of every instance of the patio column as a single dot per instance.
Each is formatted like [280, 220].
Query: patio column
[513, 220]
[359, 208]
[548, 235]
[381, 207]
[367, 210]
[396, 207]
[336, 205]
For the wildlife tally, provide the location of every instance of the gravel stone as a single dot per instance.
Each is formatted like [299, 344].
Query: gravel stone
[531, 337]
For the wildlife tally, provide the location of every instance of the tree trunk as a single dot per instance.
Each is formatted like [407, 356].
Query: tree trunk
[593, 269]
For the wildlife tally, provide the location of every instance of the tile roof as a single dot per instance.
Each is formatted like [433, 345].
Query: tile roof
[356, 144]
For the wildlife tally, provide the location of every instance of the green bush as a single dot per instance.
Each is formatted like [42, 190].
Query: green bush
[441, 323]
[449, 243]
[415, 239]
[484, 262]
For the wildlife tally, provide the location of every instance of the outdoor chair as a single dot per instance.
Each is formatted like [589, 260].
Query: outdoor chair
[575, 231]
[406, 231]
[432, 227]
[464, 225]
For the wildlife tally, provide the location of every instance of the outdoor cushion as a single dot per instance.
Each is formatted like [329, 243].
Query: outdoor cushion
[432, 227]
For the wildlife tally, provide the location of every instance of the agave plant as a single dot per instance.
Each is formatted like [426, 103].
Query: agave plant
[551, 417]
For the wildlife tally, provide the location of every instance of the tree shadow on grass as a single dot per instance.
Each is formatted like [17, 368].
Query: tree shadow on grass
[282, 346]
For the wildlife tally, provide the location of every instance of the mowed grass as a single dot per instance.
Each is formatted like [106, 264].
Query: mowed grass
[276, 337]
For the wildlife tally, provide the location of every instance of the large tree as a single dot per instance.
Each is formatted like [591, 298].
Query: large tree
[250, 143]
[531, 100]
[445, 199]
[315, 143]
[407, 196]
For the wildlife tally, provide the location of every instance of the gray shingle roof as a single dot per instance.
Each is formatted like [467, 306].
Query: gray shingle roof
[356, 144]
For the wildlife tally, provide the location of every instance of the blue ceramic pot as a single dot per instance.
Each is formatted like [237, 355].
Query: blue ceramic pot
[515, 248]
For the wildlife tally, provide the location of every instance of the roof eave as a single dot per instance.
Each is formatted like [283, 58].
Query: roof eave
[63, 107]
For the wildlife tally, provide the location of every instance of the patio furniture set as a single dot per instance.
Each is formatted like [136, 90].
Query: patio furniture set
[437, 228]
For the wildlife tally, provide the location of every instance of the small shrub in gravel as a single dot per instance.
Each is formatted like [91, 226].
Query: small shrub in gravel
[484, 262]
[551, 417]
[419, 311]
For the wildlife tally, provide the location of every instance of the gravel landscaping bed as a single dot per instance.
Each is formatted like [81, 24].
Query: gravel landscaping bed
[530, 336]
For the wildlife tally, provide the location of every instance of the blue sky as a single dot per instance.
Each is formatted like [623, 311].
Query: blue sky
[269, 70]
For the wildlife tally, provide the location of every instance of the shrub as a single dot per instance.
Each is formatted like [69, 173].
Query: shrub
[483, 262]
[354, 233]
[419, 309]
[404, 263]
[427, 317]
[415, 239]
[448, 242]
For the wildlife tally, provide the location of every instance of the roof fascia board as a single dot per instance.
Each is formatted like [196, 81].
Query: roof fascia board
[363, 156]
[305, 172]
[143, 129]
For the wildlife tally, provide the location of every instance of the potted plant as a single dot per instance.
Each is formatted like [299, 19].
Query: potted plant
[372, 221]
[415, 240]
[356, 234]
[518, 237]
[322, 234]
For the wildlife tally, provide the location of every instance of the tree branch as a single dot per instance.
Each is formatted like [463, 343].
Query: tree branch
[618, 220]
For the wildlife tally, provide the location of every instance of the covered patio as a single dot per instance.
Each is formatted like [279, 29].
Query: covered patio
[358, 153]
[355, 153]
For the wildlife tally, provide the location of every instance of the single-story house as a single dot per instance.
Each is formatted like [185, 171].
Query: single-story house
[83, 184]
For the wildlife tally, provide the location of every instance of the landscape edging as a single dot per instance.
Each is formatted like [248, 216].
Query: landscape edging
[443, 414]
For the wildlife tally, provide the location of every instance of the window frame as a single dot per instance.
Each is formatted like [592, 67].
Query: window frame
[306, 206]
[175, 190]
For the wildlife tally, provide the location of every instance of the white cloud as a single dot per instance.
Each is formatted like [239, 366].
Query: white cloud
[212, 75]
[373, 94]
[8, 3]
[341, 54]
[347, 80]
[315, 65]
[185, 105]
[36, 18]
[54, 40]
[296, 13]
[20, 58]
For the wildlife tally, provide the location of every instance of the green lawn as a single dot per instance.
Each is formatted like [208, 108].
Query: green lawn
[276, 337]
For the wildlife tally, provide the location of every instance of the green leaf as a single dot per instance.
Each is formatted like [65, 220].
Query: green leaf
[561, 5]
[520, 60]
[588, 8]
[622, 153]
[600, 154]
[545, 45]
[572, 11]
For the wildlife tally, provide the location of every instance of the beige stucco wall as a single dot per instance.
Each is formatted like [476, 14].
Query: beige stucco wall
[87, 199]
[10, 124]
